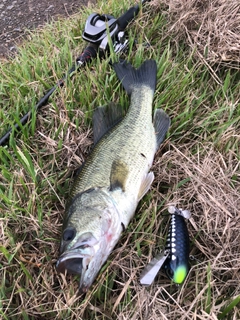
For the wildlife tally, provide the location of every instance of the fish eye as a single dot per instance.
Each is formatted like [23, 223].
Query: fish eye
[69, 234]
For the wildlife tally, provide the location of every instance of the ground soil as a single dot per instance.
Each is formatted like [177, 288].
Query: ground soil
[19, 15]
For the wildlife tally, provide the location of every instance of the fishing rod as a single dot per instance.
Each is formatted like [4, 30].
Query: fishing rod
[98, 30]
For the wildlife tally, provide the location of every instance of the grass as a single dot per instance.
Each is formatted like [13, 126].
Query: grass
[197, 168]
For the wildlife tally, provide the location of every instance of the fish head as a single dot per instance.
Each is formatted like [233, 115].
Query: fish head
[90, 232]
[78, 257]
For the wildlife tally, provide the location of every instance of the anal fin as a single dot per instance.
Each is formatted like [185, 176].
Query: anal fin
[161, 123]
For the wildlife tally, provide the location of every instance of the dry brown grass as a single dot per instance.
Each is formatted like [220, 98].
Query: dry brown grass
[214, 226]
[210, 27]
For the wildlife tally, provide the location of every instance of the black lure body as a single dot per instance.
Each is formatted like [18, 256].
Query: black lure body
[177, 263]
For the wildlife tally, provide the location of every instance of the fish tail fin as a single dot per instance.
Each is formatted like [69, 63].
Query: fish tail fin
[145, 75]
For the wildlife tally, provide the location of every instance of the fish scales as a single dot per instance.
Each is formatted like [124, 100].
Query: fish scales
[114, 177]
[132, 141]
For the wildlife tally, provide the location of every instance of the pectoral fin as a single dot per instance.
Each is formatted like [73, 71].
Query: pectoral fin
[161, 123]
[119, 175]
[105, 118]
[146, 184]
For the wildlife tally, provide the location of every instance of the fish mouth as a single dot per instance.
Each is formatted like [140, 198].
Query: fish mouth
[75, 263]
[76, 260]
[70, 262]
[84, 258]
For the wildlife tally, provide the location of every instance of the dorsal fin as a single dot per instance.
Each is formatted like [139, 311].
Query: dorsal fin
[119, 174]
[105, 118]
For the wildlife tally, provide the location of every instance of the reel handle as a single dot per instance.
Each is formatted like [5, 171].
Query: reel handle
[127, 17]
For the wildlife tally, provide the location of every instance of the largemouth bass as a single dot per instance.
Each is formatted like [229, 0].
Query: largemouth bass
[114, 177]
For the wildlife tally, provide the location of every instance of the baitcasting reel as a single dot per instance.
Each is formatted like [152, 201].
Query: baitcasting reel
[100, 28]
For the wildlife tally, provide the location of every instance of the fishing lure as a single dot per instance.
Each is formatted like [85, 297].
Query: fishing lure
[174, 259]
[176, 265]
